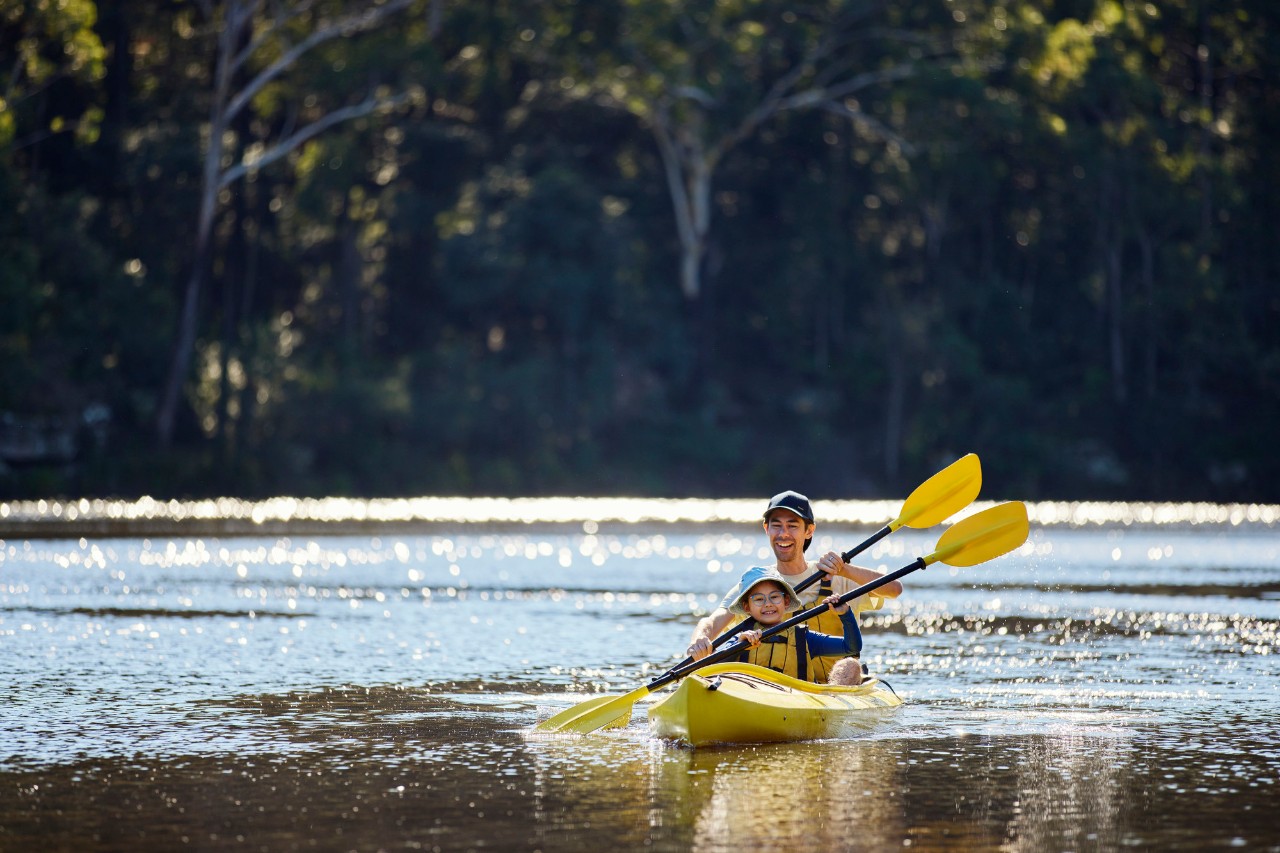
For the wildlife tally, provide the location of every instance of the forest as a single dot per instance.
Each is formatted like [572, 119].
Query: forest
[639, 247]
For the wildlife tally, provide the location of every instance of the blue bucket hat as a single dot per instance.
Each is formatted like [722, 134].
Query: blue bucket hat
[752, 578]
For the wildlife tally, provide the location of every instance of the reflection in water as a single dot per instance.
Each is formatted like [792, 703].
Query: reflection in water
[372, 777]
[1049, 791]
[821, 796]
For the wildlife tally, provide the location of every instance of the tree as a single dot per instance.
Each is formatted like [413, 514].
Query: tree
[704, 76]
[258, 42]
[46, 44]
[49, 89]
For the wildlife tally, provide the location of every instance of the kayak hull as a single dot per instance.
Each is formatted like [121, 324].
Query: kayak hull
[742, 703]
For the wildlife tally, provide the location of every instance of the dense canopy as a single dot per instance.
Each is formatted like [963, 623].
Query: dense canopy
[708, 247]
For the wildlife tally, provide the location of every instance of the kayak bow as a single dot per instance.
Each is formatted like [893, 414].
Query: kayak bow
[742, 703]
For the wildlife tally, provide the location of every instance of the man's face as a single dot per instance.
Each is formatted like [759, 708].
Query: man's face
[787, 532]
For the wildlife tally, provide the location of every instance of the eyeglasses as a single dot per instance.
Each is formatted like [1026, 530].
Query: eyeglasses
[760, 599]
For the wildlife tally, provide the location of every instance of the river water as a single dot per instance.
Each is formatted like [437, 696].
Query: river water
[1110, 685]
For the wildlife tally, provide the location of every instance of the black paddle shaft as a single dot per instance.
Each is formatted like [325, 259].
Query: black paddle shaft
[800, 587]
[678, 672]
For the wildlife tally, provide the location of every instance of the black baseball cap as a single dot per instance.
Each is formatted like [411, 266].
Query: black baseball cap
[792, 502]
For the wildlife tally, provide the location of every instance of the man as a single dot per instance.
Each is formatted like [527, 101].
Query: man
[789, 526]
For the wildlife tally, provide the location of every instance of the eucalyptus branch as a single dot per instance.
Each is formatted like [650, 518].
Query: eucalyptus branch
[876, 126]
[37, 88]
[358, 22]
[279, 20]
[857, 83]
[14, 76]
[38, 136]
[767, 107]
[285, 146]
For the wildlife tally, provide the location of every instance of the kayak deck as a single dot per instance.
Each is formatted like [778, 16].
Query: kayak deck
[742, 703]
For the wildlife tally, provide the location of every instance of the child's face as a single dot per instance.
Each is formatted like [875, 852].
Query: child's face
[767, 603]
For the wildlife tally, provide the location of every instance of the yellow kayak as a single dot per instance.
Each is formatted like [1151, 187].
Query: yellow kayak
[742, 703]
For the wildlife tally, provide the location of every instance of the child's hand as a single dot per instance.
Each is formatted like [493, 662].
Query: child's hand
[752, 637]
[833, 601]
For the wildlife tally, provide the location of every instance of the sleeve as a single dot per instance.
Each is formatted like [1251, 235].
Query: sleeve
[863, 603]
[730, 597]
[826, 645]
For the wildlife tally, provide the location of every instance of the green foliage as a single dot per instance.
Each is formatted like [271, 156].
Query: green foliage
[530, 263]
[59, 284]
[48, 48]
[1051, 243]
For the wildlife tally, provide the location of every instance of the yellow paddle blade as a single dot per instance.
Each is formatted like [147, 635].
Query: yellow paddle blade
[593, 714]
[554, 722]
[942, 495]
[623, 720]
[983, 536]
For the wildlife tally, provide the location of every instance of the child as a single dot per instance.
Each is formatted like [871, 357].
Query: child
[767, 598]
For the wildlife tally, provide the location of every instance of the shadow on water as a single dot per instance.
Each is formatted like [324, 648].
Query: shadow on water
[1192, 590]
[1077, 631]
[164, 613]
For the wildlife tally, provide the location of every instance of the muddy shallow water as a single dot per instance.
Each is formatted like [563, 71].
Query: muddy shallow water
[1102, 688]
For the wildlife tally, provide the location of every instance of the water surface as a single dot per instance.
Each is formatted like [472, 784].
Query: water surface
[1109, 685]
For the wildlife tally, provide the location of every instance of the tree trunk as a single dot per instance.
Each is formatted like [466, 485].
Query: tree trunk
[894, 411]
[1108, 253]
[245, 338]
[240, 20]
[688, 172]
[1115, 322]
[346, 277]
[185, 341]
[1152, 325]
[1205, 91]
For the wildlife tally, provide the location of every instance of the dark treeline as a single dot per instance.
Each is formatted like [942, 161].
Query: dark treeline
[639, 247]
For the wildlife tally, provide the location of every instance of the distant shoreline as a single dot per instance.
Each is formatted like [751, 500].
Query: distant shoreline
[98, 529]
[104, 519]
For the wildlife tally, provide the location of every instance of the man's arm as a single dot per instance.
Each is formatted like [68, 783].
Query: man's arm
[861, 575]
[832, 564]
[710, 627]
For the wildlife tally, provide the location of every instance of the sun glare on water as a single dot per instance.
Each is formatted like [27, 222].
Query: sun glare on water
[575, 510]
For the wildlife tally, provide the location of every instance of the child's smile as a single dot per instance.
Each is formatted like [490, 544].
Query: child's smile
[767, 603]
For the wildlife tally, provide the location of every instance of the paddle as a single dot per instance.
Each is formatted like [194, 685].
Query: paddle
[935, 500]
[976, 539]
